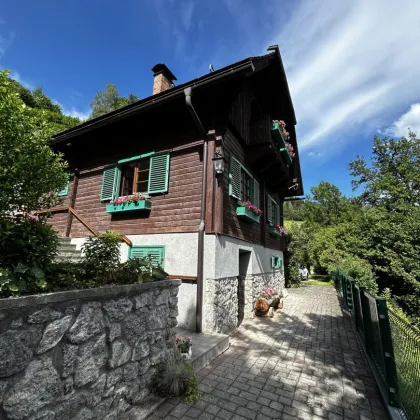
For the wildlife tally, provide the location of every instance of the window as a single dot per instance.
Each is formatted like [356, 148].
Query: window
[276, 261]
[146, 174]
[155, 253]
[135, 177]
[65, 190]
[242, 185]
[273, 211]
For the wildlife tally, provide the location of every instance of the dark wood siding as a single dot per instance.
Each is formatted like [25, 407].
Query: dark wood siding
[178, 210]
[232, 226]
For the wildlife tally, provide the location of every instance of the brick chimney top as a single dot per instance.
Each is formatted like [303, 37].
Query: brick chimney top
[162, 78]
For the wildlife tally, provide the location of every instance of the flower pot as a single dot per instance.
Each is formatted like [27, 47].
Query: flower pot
[188, 355]
[273, 231]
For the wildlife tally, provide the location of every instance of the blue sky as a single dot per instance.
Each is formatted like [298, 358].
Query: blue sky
[352, 65]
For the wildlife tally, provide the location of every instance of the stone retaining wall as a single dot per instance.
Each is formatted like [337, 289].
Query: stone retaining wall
[84, 354]
[223, 298]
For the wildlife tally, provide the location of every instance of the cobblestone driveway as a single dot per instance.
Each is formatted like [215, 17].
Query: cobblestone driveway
[305, 363]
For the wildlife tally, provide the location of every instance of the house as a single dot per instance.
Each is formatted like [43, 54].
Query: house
[193, 155]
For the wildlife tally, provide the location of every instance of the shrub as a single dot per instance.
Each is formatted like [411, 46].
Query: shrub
[102, 255]
[175, 377]
[27, 247]
[359, 270]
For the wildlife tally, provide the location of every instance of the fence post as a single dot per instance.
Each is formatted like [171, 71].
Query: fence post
[350, 300]
[367, 323]
[388, 351]
[362, 325]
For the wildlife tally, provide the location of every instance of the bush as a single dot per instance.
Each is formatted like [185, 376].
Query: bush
[27, 249]
[102, 255]
[359, 270]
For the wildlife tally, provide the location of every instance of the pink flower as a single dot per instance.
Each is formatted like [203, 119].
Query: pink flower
[189, 339]
[178, 339]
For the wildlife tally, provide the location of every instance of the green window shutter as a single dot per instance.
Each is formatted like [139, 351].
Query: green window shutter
[159, 173]
[65, 190]
[156, 253]
[277, 213]
[256, 195]
[278, 262]
[235, 178]
[281, 213]
[111, 179]
[273, 262]
[270, 210]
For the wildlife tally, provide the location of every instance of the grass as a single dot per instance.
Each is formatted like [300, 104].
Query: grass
[325, 281]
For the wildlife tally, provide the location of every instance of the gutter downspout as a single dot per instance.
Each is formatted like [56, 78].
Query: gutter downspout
[200, 251]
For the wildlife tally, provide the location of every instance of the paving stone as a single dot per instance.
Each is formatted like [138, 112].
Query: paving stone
[305, 363]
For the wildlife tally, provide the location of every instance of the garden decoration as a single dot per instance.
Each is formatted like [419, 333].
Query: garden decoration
[268, 301]
[185, 347]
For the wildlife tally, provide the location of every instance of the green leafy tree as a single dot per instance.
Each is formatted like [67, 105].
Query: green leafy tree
[109, 100]
[30, 172]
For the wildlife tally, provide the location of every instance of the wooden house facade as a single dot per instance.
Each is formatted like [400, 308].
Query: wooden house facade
[166, 152]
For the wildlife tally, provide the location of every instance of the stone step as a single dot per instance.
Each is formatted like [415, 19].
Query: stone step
[68, 259]
[67, 247]
[144, 408]
[205, 347]
[63, 239]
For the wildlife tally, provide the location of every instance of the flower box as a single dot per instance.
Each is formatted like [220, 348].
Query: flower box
[278, 136]
[273, 231]
[141, 205]
[247, 215]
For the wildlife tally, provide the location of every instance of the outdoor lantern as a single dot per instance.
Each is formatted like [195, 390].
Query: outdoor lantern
[219, 161]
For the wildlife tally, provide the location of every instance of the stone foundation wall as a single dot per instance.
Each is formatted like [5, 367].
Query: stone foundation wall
[84, 354]
[222, 298]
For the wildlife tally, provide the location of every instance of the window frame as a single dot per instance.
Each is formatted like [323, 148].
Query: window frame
[275, 211]
[254, 189]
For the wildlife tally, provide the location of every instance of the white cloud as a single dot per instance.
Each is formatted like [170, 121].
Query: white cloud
[408, 121]
[73, 112]
[315, 154]
[350, 65]
[187, 9]
[5, 41]
[16, 76]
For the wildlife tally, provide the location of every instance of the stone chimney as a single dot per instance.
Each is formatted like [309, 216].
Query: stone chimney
[162, 78]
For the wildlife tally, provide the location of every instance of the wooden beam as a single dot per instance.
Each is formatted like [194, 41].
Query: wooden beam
[73, 196]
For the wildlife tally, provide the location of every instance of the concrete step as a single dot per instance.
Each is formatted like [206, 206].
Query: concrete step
[205, 347]
[67, 259]
[64, 240]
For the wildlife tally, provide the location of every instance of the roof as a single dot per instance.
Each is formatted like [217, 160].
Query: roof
[157, 99]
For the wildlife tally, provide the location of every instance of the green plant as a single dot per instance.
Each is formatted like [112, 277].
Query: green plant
[102, 255]
[27, 248]
[136, 270]
[192, 393]
[173, 376]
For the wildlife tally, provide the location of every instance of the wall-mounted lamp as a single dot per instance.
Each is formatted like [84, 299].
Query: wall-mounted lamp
[219, 161]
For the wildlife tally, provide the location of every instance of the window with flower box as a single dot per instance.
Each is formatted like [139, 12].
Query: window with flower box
[246, 189]
[273, 211]
[136, 178]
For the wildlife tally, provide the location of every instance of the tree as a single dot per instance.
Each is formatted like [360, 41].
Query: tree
[30, 172]
[109, 100]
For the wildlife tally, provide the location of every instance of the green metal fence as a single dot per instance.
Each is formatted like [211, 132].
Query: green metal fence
[391, 343]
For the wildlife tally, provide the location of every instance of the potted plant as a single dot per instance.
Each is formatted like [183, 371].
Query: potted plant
[248, 212]
[277, 230]
[184, 346]
[267, 301]
[281, 136]
[136, 201]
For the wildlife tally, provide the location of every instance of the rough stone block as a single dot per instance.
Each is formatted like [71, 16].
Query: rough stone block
[143, 300]
[14, 354]
[120, 353]
[69, 357]
[89, 323]
[114, 331]
[117, 309]
[141, 350]
[130, 371]
[162, 297]
[53, 334]
[92, 356]
[44, 315]
[37, 388]
[134, 326]
[114, 377]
